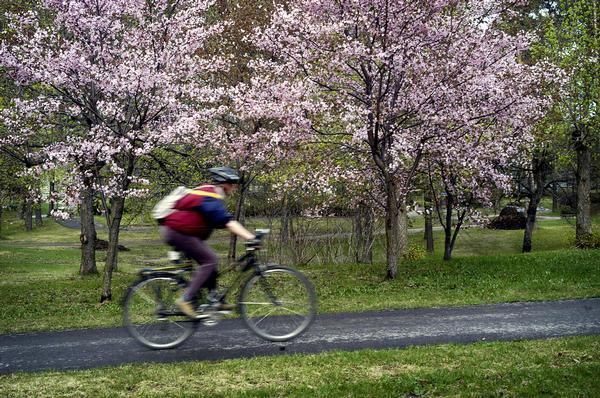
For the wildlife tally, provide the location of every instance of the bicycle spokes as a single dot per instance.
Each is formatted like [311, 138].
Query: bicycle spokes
[278, 304]
[152, 316]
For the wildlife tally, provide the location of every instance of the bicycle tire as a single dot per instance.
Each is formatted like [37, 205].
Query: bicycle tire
[278, 303]
[151, 315]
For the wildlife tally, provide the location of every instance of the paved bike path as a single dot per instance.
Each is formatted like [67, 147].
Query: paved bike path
[90, 348]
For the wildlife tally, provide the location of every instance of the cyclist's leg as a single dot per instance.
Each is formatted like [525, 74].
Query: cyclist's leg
[205, 275]
[196, 249]
[211, 282]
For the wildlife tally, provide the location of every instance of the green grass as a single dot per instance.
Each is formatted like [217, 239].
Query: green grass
[548, 235]
[40, 288]
[566, 367]
[50, 231]
[473, 280]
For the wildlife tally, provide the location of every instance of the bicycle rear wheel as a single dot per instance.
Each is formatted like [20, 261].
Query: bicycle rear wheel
[151, 315]
[278, 304]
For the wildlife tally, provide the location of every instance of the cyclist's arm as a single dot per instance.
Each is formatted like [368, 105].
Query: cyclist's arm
[238, 229]
[213, 211]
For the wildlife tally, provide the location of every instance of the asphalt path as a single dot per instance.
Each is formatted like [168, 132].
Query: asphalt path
[90, 348]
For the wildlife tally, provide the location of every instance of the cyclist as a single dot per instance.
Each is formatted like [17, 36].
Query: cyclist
[197, 214]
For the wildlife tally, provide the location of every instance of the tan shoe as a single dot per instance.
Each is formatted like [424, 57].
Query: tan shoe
[186, 307]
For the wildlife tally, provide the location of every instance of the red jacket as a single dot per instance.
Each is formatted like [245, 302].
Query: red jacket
[199, 212]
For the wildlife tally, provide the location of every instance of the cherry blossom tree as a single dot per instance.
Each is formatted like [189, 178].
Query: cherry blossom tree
[262, 120]
[25, 149]
[397, 77]
[126, 76]
[468, 181]
[264, 124]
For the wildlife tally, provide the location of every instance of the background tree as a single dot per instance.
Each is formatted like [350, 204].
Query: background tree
[395, 76]
[537, 176]
[22, 138]
[11, 185]
[129, 76]
[561, 43]
[261, 121]
[571, 42]
[468, 181]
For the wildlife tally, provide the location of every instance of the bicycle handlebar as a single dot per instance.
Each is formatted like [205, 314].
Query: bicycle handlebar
[261, 233]
[255, 243]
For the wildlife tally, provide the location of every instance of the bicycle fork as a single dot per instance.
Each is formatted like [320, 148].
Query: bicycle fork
[267, 288]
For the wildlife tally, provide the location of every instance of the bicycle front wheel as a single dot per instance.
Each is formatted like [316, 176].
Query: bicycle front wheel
[151, 315]
[278, 304]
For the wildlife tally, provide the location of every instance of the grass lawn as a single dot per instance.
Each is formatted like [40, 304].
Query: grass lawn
[565, 367]
[40, 288]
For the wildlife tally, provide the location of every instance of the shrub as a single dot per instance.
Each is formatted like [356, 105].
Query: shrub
[591, 241]
[510, 218]
[414, 252]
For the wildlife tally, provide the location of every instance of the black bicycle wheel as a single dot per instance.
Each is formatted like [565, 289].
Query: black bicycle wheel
[278, 304]
[151, 315]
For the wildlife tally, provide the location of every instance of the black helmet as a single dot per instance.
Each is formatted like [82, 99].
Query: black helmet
[224, 174]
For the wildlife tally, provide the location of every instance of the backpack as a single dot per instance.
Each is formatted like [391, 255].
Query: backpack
[166, 206]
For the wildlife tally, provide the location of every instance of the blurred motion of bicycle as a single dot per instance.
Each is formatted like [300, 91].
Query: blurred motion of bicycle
[277, 303]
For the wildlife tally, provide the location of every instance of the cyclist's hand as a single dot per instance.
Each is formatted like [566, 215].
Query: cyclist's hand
[256, 242]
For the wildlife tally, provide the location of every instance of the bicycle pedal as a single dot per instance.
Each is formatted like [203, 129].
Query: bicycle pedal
[209, 322]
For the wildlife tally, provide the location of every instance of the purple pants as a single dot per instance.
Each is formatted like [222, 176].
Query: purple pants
[196, 249]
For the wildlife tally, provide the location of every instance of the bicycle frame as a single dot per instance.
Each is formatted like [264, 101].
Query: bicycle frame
[244, 263]
[178, 271]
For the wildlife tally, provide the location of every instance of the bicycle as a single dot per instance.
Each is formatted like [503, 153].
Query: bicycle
[277, 303]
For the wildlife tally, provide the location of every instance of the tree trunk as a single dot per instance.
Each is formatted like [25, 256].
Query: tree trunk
[362, 234]
[1, 208]
[448, 227]
[450, 234]
[28, 214]
[583, 226]
[392, 237]
[396, 229]
[88, 231]
[51, 200]
[38, 215]
[284, 233]
[541, 168]
[497, 203]
[117, 207]
[534, 201]
[238, 216]
[555, 207]
[292, 231]
[428, 214]
[114, 214]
